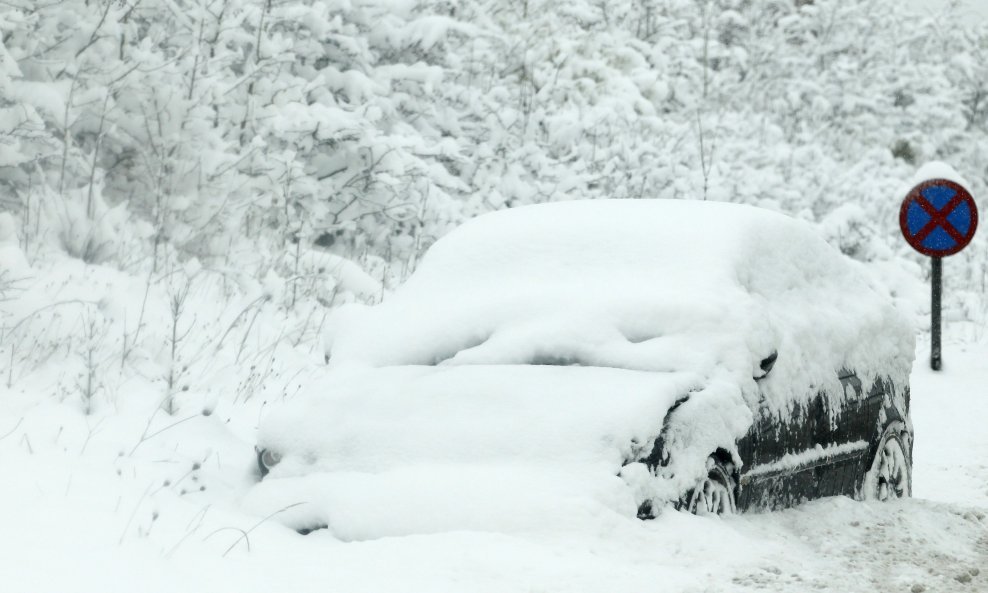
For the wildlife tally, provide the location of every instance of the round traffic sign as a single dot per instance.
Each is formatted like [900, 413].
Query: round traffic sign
[938, 217]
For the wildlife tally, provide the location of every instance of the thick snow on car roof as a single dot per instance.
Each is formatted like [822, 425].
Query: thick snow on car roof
[637, 284]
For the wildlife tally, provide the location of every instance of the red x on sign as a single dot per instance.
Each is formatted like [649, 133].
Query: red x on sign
[938, 217]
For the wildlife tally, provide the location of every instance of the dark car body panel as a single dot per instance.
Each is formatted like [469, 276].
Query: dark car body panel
[824, 446]
[837, 446]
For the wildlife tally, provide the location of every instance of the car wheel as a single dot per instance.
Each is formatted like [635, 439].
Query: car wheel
[715, 494]
[890, 476]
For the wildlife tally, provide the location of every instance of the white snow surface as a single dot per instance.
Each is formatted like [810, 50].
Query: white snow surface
[938, 170]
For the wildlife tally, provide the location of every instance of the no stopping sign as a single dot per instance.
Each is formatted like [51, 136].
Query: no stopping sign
[938, 217]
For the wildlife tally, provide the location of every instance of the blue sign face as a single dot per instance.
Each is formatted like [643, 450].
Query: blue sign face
[938, 218]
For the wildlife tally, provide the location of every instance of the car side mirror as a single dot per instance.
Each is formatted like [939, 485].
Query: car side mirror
[766, 365]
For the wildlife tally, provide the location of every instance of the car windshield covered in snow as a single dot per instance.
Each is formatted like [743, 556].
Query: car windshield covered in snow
[538, 352]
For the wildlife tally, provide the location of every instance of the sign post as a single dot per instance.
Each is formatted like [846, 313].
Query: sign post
[938, 218]
[936, 282]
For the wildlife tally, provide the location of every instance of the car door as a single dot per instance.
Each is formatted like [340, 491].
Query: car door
[814, 450]
[771, 478]
[845, 429]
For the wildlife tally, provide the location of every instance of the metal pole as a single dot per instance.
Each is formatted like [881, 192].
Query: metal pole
[937, 285]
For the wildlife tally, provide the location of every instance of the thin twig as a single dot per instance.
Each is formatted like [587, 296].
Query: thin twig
[244, 534]
[219, 343]
[190, 529]
[14, 327]
[148, 437]
[11, 431]
[133, 514]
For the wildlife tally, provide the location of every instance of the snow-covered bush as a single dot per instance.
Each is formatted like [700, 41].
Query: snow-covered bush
[381, 125]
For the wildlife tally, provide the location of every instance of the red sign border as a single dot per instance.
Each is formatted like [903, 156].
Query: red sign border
[917, 193]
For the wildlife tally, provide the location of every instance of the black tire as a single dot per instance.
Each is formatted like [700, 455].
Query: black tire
[716, 494]
[890, 474]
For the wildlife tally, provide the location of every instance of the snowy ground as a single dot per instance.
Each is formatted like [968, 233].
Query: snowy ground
[81, 511]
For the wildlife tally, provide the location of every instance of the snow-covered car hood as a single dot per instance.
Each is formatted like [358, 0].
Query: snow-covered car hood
[414, 449]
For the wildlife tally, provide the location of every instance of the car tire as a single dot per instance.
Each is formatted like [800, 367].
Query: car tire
[715, 494]
[890, 474]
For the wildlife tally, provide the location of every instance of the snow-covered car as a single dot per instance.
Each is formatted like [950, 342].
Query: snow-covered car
[618, 355]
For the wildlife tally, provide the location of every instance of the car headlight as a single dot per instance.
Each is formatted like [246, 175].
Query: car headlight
[267, 459]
